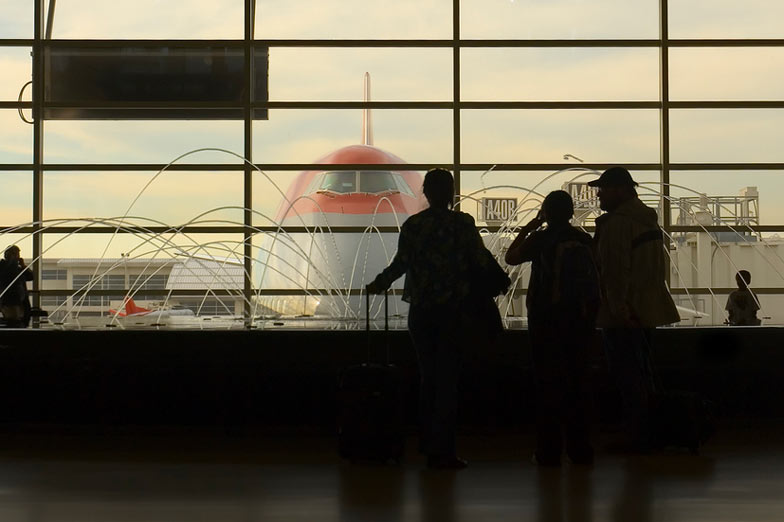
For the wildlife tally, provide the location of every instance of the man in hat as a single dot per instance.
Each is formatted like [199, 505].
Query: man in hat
[632, 263]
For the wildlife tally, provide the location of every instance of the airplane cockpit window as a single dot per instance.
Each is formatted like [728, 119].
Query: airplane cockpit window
[402, 186]
[374, 182]
[342, 182]
[366, 181]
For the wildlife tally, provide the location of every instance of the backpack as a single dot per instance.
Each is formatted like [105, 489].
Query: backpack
[573, 277]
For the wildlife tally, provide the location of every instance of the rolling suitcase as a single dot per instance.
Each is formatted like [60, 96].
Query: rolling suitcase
[370, 425]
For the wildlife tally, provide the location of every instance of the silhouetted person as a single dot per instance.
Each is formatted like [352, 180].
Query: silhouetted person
[14, 301]
[438, 249]
[635, 299]
[742, 304]
[562, 300]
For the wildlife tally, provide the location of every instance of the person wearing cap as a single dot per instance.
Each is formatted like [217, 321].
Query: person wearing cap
[632, 262]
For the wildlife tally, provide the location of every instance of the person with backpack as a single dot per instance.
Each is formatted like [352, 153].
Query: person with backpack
[632, 261]
[562, 301]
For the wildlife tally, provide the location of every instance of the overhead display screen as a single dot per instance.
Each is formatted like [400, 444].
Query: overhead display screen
[149, 81]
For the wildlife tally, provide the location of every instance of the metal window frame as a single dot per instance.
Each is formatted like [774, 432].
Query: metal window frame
[664, 105]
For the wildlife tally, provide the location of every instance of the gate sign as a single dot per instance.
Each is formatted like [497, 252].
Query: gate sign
[582, 195]
[497, 209]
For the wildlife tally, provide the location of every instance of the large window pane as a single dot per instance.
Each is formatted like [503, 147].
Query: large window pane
[269, 189]
[545, 136]
[369, 19]
[305, 136]
[16, 198]
[559, 74]
[559, 19]
[726, 135]
[738, 198]
[181, 19]
[173, 198]
[112, 247]
[726, 19]
[727, 73]
[709, 309]
[141, 141]
[23, 241]
[17, 19]
[16, 138]
[337, 74]
[314, 271]
[155, 280]
[17, 66]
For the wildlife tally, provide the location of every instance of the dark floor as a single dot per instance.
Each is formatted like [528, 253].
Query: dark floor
[155, 475]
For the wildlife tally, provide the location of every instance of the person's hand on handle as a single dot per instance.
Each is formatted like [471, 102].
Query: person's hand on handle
[373, 288]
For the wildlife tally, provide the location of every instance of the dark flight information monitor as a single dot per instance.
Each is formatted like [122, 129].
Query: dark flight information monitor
[143, 83]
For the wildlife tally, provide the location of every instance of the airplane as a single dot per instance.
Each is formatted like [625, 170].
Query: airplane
[326, 198]
[132, 310]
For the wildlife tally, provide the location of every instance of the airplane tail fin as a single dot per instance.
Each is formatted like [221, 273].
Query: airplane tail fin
[130, 308]
[367, 122]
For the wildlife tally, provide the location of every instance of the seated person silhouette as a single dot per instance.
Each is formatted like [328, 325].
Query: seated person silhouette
[742, 304]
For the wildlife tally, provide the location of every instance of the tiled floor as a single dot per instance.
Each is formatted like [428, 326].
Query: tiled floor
[177, 475]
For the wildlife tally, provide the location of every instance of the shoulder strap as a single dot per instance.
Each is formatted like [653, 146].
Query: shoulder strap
[648, 236]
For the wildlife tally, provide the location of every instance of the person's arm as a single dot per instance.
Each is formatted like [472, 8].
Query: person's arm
[522, 248]
[397, 267]
[615, 256]
[27, 273]
[755, 305]
[730, 309]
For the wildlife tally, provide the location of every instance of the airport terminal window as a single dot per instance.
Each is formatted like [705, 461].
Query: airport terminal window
[207, 307]
[150, 282]
[83, 285]
[53, 301]
[54, 275]
[537, 96]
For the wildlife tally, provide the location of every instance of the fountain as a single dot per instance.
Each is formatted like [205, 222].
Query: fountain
[315, 276]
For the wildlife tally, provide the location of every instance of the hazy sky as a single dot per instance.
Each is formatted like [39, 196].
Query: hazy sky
[491, 136]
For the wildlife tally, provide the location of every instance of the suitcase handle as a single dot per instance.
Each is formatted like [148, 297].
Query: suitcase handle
[386, 322]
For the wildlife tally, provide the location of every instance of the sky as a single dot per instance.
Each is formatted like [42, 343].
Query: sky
[416, 135]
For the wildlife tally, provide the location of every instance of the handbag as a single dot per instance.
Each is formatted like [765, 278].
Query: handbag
[488, 281]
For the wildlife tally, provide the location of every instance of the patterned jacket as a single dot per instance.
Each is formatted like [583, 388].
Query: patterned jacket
[438, 250]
